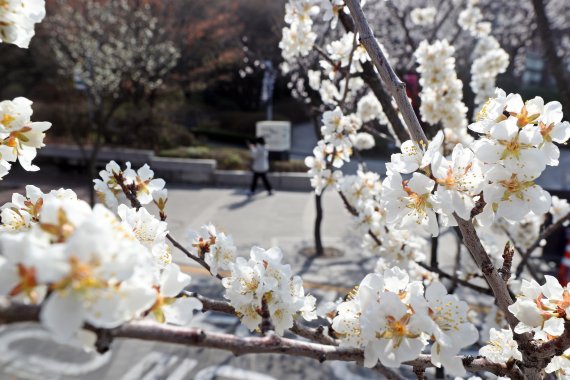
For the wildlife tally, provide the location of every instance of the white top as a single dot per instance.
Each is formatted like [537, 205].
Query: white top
[260, 158]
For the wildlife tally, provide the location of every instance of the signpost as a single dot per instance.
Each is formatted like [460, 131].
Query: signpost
[277, 135]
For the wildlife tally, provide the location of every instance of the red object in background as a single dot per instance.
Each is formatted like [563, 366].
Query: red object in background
[564, 272]
[412, 87]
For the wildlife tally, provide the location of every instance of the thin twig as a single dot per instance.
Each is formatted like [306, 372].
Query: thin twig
[545, 234]
[531, 269]
[135, 203]
[456, 279]
[354, 212]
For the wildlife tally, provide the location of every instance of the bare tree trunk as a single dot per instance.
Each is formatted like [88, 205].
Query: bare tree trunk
[319, 249]
[554, 61]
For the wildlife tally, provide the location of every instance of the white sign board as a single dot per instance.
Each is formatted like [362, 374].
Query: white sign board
[277, 134]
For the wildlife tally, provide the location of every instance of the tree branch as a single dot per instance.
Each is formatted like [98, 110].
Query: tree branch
[270, 344]
[370, 76]
[395, 86]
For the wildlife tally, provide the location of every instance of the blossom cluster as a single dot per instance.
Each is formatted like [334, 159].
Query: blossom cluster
[88, 265]
[423, 16]
[442, 91]
[20, 137]
[490, 61]
[298, 36]
[471, 20]
[394, 319]
[542, 310]
[264, 279]
[141, 183]
[516, 146]
[215, 247]
[18, 19]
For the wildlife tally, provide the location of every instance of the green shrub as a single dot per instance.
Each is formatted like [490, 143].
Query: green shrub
[232, 161]
[174, 135]
[289, 166]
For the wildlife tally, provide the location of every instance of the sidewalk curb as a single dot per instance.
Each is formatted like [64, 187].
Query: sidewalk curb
[180, 170]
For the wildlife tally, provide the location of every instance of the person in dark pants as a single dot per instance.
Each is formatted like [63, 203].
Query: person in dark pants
[260, 165]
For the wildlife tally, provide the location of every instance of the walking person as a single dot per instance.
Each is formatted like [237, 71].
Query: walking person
[260, 165]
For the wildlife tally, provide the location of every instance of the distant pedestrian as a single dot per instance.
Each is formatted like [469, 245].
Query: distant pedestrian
[260, 165]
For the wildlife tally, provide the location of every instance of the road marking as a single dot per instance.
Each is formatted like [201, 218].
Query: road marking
[156, 364]
[230, 373]
[32, 365]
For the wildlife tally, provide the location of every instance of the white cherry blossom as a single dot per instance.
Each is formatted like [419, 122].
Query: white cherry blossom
[410, 204]
[501, 347]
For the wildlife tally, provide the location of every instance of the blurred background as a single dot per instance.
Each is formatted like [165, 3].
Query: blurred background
[182, 77]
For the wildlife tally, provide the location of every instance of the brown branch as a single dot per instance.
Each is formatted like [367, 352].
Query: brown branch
[398, 90]
[395, 86]
[266, 326]
[495, 281]
[191, 255]
[473, 364]
[554, 347]
[313, 334]
[211, 304]
[270, 344]
[370, 76]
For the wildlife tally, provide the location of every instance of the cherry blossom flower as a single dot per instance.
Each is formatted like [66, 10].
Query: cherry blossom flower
[331, 10]
[141, 182]
[17, 20]
[363, 141]
[410, 204]
[459, 180]
[513, 146]
[423, 16]
[538, 308]
[452, 330]
[168, 307]
[560, 366]
[369, 108]
[386, 315]
[512, 197]
[414, 156]
[20, 136]
[215, 247]
[263, 278]
[559, 209]
[502, 347]
[149, 231]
